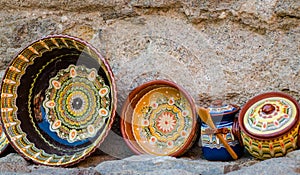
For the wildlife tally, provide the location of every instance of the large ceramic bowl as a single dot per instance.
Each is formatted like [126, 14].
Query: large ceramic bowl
[269, 125]
[159, 118]
[58, 100]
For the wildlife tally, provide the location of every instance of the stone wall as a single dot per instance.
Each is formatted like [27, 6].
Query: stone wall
[229, 49]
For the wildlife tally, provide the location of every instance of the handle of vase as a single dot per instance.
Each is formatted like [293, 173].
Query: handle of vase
[236, 131]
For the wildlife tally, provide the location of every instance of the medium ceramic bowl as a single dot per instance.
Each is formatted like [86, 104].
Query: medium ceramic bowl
[269, 125]
[159, 118]
[58, 100]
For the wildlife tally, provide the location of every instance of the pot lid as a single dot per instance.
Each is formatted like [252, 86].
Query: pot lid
[269, 115]
[217, 108]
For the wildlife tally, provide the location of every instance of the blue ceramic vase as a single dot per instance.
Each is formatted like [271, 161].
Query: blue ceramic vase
[224, 119]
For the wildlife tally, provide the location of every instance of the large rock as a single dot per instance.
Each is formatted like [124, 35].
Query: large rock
[14, 164]
[278, 166]
[145, 164]
[37, 170]
[294, 155]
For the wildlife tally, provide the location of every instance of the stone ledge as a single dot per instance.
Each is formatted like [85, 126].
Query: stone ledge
[146, 164]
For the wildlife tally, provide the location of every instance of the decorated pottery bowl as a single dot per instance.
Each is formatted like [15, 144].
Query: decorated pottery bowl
[269, 125]
[159, 118]
[58, 100]
[223, 116]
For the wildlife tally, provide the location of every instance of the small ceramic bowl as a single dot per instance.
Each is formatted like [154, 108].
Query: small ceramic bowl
[159, 118]
[269, 125]
[223, 117]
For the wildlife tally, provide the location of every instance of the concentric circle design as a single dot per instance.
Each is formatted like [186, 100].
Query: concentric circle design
[162, 121]
[58, 100]
[166, 121]
[269, 125]
[73, 103]
[77, 103]
[283, 114]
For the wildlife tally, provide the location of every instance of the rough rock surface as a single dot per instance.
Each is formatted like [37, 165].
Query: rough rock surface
[225, 49]
[166, 165]
[15, 164]
[145, 164]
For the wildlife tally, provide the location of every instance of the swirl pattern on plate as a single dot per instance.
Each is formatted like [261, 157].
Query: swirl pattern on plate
[162, 121]
[73, 103]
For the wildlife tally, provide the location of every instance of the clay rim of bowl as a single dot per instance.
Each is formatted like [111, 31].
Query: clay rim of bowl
[126, 117]
[113, 91]
[158, 83]
[260, 97]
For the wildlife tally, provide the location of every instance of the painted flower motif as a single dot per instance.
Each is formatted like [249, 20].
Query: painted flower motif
[171, 101]
[170, 144]
[92, 76]
[72, 105]
[103, 91]
[91, 129]
[56, 124]
[255, 122]
[183, 133]
[154, 105]
[50, 104]
[56, 84]
[264, 125]
[166, 122]
[103, 112]
[259, 146]
[292, 139]
[145, 122]
[185, 113]
[73, 72]
[152, 140]
[72, 135]
[276, 123]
